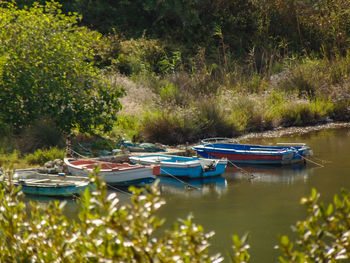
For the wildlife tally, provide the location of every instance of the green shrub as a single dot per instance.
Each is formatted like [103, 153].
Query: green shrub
[168, 127]
[42, 156]
[305, 113]
[105, 232]
[103, 144]
[341, 111]
[324, 236]
[211, 120]
[169, 93]
[9, 158]
[51, 73]
[41, 134]
[139, 56]
[128, 126]
[110, 232]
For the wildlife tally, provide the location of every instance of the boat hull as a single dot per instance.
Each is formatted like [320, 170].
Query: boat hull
[172, 165]
[129, 176]
[253, 154]
[35, 183]
[52, 190]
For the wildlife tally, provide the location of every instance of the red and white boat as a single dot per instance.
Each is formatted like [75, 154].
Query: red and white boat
[113, 173]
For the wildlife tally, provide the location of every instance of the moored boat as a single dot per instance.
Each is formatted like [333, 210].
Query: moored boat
[54, 185]
[281, 154]
[182, 166]
[113, 173]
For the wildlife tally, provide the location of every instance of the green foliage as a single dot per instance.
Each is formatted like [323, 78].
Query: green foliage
[138, 56]
[168, 126]
[103, 144]
[127, 126]
[170, 93]
[41, 134]
[172, 64]
[211, 120]
[106, 230]
[244, 30]
[304, 113]
[324, 235]
[240, 249]
[110, 231]
[7, 159]
[47, 71]
[42, 156]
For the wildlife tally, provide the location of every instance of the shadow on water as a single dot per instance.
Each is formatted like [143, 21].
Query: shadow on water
[269, 174]
[194, 187]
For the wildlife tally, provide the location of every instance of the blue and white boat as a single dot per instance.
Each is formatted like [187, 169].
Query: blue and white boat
[53, 185]
[280, 154]
[182, 166]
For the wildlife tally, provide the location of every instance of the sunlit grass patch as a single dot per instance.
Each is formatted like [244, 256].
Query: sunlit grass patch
[297, 113]
[42, 156]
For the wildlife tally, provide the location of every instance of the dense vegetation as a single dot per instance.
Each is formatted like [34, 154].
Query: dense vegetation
[107, 231]
[190, 69]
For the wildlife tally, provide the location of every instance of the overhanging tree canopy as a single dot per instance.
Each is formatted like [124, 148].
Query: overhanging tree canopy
[47, 70]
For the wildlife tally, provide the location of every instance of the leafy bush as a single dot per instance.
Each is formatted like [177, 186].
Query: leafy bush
[324, 236]
[169, 93]
[304, 113]
[105, 232]
[168, 127]
[42, 156]
[41, 134]
[9, 158]
[109, 231]
[211, 121]
[128, 126]
[139, 56]
[50, 73]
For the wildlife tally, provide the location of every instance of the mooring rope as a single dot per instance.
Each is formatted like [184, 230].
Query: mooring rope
[76, 153]
[242, 170]
[76, 196]
[186, 184]
[323, 161]
[309, 160]
[118, 189]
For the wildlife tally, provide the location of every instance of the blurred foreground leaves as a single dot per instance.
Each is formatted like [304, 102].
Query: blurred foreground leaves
[108, 231]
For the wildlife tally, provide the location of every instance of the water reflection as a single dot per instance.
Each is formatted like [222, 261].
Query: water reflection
[194, 187]
[269, 174]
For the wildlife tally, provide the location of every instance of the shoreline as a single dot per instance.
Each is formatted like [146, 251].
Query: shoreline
[282, 131]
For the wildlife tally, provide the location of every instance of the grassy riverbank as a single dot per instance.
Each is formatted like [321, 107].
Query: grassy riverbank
[179, 108]
[225, 73]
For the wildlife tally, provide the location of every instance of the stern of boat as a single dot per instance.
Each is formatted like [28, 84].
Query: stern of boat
[156, 170]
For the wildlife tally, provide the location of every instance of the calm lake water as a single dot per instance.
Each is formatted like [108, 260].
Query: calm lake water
[265, 206]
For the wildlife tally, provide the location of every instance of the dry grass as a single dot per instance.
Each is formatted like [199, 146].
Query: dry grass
[137, 95]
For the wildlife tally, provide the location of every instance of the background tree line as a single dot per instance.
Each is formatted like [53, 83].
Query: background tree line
[203, 63]
[230, 28]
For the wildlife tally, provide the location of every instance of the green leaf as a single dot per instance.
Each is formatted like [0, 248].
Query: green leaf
[284, 240]
[329, 210]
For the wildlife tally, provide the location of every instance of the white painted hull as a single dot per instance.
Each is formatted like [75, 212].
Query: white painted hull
[119, 177]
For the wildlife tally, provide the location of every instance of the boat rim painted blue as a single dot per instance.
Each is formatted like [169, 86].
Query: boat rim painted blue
[183, 166]
[286, 153]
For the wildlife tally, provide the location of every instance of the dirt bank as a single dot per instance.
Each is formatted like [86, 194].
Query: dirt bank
[278, 132]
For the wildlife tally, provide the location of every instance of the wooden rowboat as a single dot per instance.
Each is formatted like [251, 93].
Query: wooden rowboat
[113, 173]
[281, 154]
[55, 185]
[182, 166]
